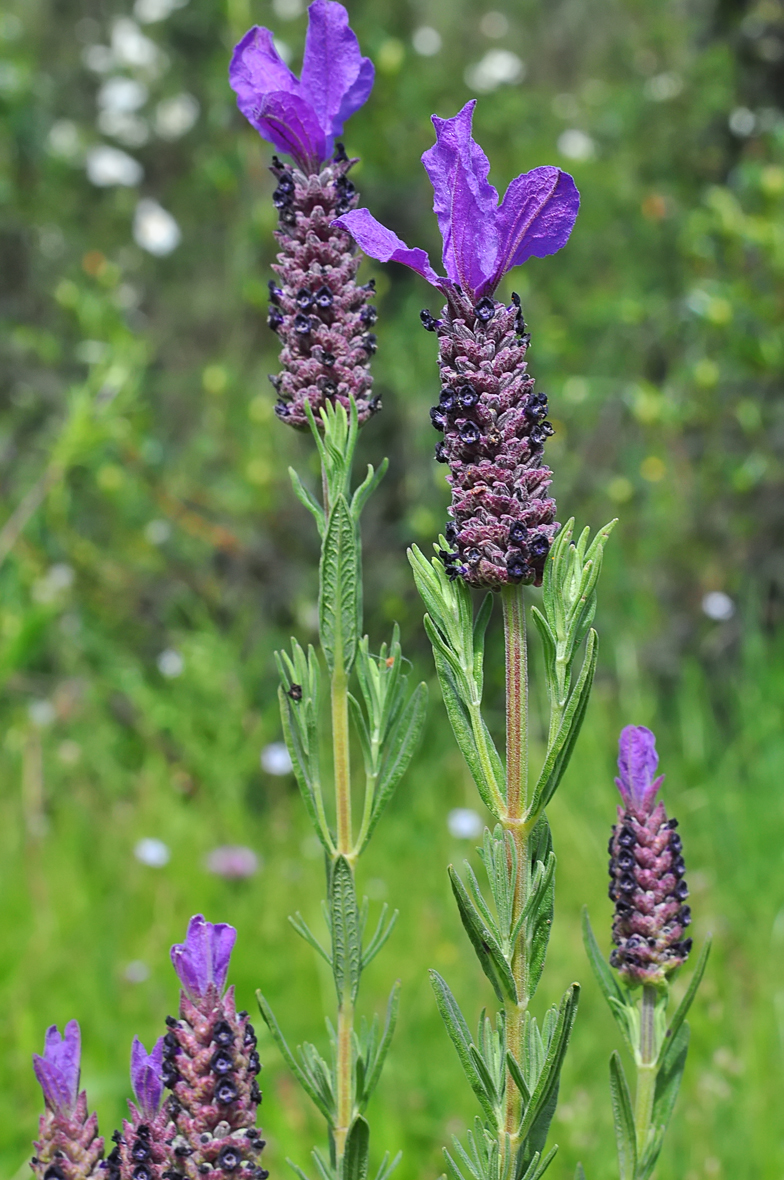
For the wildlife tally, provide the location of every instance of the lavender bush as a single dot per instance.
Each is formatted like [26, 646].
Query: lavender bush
[502, 536]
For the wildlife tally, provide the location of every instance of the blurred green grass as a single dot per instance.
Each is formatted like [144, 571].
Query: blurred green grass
[134, 405]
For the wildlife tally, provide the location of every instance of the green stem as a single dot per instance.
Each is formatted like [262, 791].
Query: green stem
[345, 1071]
[513, 821]
[341, 758]
[646, 1068]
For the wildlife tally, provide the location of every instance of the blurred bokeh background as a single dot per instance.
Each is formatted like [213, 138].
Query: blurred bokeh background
[153, 556]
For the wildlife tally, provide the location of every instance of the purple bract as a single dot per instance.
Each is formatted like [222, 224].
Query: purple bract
[58, 1070]
[203, 959]
[147, 1077]
[637, 762]
[482, 239]
[303, 116]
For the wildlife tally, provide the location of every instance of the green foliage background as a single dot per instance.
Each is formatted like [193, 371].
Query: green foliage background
[134, 391]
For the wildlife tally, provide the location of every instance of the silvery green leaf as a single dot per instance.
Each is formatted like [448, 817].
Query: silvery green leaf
[355, 1156]
[386, 1168]
[295, 1168]
[625, 1135]
[340, 594]
[560, 751]
[668, 1081]
[516, 1074]
[579, 1172]
[685, 1004]
[539, 1111]
[321, 1095]
[460, 1037]
[485, 943]
[346, 936]
[303, 930]
[621, 1003]
[376, 1057]
[380, 937]
[308, 500]
[300, 721]
[538, 1165]
[540, 924]
[325, 1170]
[549, 647]
[474, 740]
[397, 752]
[480, 627]
[367, 488]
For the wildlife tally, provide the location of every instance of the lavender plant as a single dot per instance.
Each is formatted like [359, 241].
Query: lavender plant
[648, 886]
[207, 1058]
[322, 318]
[502, 536]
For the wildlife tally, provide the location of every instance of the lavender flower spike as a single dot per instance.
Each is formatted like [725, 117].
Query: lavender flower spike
[58, 1070]
[147, 1077]
[646, 871]
[482, 239]
[68, 1145]
[303, 116]
[202, 961]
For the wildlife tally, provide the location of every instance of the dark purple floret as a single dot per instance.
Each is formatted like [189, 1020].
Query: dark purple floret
[646, 870]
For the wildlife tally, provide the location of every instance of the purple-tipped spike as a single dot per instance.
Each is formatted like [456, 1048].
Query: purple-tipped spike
[637, 763]
[147, 1077]
[58, 1070]
[203, 959]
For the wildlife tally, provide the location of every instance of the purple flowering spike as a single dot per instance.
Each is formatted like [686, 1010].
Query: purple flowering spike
[482, 240]
[58, 1070]
[147, 1077]
[637, 762]
[203, 959]
[303, 117]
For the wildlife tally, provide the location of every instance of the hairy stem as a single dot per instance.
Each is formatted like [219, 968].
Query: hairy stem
[514, 822]
[341, 758]
[646, 1068]
[345, 1071]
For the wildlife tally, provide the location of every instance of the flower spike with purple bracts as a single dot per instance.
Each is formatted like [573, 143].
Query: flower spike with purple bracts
[210, 1063]
[494, 425]
[646, 870]
[143, 1151]
[69, 1146]
[321, 315]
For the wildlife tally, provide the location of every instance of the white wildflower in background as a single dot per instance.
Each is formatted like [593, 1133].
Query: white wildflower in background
[42, 713]
[157, 532]
[136, 972]
[742, 122]
[147, 12]
[464, 823]
[718, 606]
[122, 94]
[64, 140]
[154, 229]
[576, 145]
[232, 861]
[175, 116]
[288, 9]
[494, 24]
[498, 67]
[426, 41]
[663, 87]
[152, 852]
[107, 166]
[170, 664]
[275, 759]
[131, 47]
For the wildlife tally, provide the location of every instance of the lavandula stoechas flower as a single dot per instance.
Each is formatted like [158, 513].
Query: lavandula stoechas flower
[69, 1146]
[646, 870]
[211, 1063]
[494, 424]
[143, 1149]
[322, 317]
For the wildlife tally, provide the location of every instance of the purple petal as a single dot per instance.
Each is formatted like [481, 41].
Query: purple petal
[203, 958]
[291, 125]
[463, 200]
[637, 762]
[147, 1076]
[257, 69]
[336, 79]
[58, 1070]
[536, 217]
[381, 243]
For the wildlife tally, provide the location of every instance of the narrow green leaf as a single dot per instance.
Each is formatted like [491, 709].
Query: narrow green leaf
[579, 1172]
[460, 720]
[325, 1170]
[295, 1168]
[685, 1004]
[376, 1064]
[355, 1157]
[668, 1081]
[308, 500]
[460, 1037]
[380, 936]
[479, 629]
[320, 1100]
[398, 750]
[516, 1075]
[616, 996]
[540, 1109]
[625, 1137]
[560, 752]
[346, 936]
[340, 605]
[539, 1165]
[385, 1168]
[488, 951]
[303, 931]
[367, 488]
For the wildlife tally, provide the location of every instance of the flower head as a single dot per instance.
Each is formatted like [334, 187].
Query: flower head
[482, 239]
[203, 959]
[637, 762]
[147, 1077]
[58, 1070]
[303, 116]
